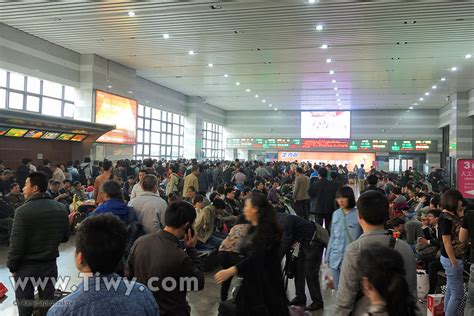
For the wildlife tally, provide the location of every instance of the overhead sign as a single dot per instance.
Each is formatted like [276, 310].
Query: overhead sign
[360, 145]
[465, 177]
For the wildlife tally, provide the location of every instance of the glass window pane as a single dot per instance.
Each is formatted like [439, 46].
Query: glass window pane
[3, 98]
[3, 78]
[141, 110]
[52, 89]
[176, 118]
[168, 139]
[69, 93]
[15, 101]
[69, 109]
[168, 151]
[163, 138]
[155, 150]
[51, 107]
[140, 149]
[181, 141]
[155, 126]
[32, 103]
[163, 150]
[33, 85]
[175, 140]
[169, 128]
[147, 111]
[17, 81]
[155, 138]
[147, 124]
[175, 129]
[146, 138]
[181, 130]
[156, 114]
[146, 150]
[139, 136]
[139, 122]
[163, 127]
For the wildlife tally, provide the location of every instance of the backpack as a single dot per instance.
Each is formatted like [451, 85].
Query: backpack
[180, 185]
[6, 209]
[321, 234]
[82, 174]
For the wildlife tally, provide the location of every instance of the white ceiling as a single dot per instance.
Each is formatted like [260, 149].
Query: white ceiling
[273, 48]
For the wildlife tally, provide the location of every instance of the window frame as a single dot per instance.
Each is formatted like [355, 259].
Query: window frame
[212, 141]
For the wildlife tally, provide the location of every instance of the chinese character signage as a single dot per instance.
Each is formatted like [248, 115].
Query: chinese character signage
[465, 177]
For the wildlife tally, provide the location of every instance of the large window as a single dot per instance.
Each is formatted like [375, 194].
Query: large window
[160, 134]
[23, 93]
[212, 140]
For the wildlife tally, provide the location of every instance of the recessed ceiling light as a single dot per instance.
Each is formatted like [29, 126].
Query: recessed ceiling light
[411, 108]
[270, 105]
[109, 86]
[324, 46]
[339, 104]
[454, 68]
[338, 100]
[319, 27]
[335, 88]
[147, 101]
[454, 107]
[247, 90]
[468, 56]
[443, 79]
[226, 75]
[256, 95]
[427, 93]
[131, 13]
[337, 94]
[329, 60]
[416, 103]
[237, 83]
[131, 92]
[263, 101]
[276, 109]
[421, 99]
[434, 87]
[211, 65]
[333, 81]
[312, 1]
[191, 52]
[166, 36]
[331, 72]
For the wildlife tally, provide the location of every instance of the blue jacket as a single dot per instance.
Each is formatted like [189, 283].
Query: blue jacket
[112, 297]
[116, 207]
[340, 238]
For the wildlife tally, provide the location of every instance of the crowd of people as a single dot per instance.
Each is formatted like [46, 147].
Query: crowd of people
[139, 220]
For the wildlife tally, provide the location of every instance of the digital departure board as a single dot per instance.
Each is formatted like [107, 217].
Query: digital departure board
[359, 145]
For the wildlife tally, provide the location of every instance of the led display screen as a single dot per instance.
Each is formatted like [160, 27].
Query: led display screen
[326, 124]
[16, 132]
[34, 134]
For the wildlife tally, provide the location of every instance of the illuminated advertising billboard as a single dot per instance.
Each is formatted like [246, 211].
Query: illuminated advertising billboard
[326, 124]
[114, 109]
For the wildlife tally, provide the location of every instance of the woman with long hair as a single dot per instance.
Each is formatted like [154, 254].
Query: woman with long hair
[452, 249]
[384, 282]
[262, 291]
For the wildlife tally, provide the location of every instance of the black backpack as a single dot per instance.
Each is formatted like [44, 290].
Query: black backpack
[6, 209]
[82, 174]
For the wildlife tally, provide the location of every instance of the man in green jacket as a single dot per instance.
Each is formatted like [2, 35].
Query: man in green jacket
[39, 226]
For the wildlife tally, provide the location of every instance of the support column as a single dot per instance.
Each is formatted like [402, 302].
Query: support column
[460, 127]
[193, 129]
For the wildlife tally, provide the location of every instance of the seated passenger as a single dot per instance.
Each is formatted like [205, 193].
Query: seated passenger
[112, 195]
[149, 206]
[54, 193]
[100, 244]
[231, 205]
[273, 195]
[78, 191]
[67, 190]
[205, 224]
[15, 197]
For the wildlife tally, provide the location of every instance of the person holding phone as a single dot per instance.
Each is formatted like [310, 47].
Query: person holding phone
[157, 260]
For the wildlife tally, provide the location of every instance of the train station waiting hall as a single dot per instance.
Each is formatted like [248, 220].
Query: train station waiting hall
[226, 158]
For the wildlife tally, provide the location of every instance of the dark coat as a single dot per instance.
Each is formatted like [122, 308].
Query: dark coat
[323, 194]
[39, 226]
[158, 255]
[262, 292]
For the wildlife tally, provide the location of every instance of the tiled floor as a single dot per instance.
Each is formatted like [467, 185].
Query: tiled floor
[204, 303]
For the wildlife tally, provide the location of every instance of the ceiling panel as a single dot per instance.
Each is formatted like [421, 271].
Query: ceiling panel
[385, 55]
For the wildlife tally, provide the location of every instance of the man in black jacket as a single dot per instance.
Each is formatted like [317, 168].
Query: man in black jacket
[323, 195]
[298, 230]
[372, 180]
[23, 171]
[158, 255]
[39, 226]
